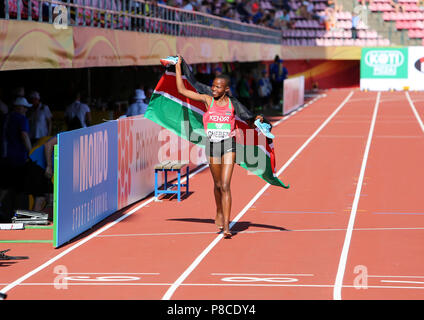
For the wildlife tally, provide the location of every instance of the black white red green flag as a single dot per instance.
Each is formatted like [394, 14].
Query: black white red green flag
[184, 117]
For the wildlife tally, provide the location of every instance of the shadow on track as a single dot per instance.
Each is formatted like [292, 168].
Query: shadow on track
[238, 227]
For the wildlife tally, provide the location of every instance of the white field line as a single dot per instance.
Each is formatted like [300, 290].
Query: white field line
[83, 241]
[343, 258]
[203, 254]
[135, 284]
[93, 235]
[414, 110]
[250, 232]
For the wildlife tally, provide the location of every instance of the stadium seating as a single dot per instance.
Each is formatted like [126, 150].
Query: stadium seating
[313, 32]
[410, 18]
[301, 31]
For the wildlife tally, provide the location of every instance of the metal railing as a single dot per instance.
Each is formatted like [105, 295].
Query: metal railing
[137, 15]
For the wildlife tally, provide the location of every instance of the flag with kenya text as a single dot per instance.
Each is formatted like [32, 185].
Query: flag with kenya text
[184, 117]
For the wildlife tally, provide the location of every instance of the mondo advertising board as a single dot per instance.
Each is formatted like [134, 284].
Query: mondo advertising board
[104, 168]
[86, 185]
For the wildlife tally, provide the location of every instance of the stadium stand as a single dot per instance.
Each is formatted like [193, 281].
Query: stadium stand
[311, 23]
[407, 16]
[316, 32]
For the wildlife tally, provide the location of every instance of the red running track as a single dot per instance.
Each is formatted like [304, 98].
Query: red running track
[350, 227]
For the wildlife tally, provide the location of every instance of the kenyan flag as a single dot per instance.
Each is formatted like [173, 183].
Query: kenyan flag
[184, 117]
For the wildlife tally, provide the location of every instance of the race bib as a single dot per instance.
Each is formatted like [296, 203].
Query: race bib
[218, 131]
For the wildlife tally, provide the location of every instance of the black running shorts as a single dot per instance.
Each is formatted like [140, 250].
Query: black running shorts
[218, 149]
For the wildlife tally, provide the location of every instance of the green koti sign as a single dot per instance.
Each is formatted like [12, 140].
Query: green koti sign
[384, 63]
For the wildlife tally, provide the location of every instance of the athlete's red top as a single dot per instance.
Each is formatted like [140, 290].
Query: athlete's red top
[219, 121]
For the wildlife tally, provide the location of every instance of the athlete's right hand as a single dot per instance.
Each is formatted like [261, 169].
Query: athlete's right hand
[179, 60]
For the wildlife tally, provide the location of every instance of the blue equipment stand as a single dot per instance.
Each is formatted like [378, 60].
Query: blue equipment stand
[165, 167]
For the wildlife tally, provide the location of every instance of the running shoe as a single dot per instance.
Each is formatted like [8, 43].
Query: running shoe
[264, 128]
[169, 61]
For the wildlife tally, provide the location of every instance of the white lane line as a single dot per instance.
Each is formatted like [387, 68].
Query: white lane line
[135, 284]
[251, 231]
[197, 261]
[372, 276]
[110, 273]
[414, 110]
[157, 234]
[83, 241]
[337, 292]
[95, 234]
[402, 281]
[264, 274]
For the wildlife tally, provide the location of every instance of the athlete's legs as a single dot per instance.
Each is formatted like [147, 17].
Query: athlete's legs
[227, 166]
[215, 167]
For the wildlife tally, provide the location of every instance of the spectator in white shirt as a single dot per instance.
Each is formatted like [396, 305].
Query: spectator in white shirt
[77, 114]
[40, 118]
[138, 106]
[187, 5]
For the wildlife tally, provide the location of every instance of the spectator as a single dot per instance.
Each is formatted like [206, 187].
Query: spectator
[397, 6]
[18, 143]
[244, 91]
[285, 20]
[4, 110]
[264, 90]
[268, 19]
[205, 7]
[77, 114]
[278, 73]
[187, 5]
[241, 10]
[309, 7]
[355, 22]
[302, 12]
[40, 172]
[362, 11]
[330, 19]
[149, 93]
[18, 92]
[226, 11]
[40, 118]
[257, 17]
[286, 6]
[333, 4]
[17, 146]
[138, 106]
[254, 8]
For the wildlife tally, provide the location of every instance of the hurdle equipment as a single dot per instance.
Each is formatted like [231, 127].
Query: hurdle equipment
[165, 167]
[30, 217]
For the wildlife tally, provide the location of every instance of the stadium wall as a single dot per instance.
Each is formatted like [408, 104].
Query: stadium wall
[325, 74]
[107, 167]
[34, 45]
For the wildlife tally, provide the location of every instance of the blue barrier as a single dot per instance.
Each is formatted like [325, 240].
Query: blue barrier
[86, 186]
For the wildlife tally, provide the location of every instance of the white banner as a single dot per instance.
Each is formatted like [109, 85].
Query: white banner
[294, 94]
[141, 145]
[416, 68]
